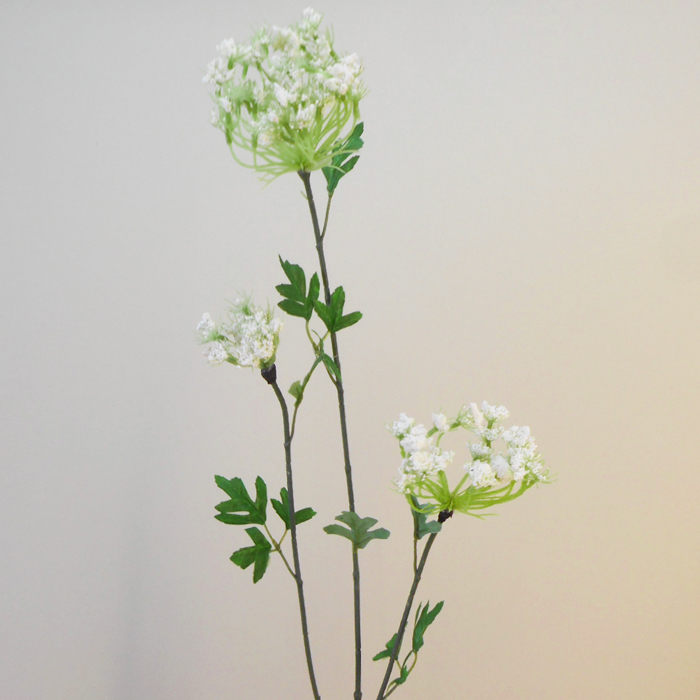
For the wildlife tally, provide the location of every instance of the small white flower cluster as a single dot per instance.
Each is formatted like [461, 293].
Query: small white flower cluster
[488, 467]
[421, 458]
[299, 93]
[248, 339]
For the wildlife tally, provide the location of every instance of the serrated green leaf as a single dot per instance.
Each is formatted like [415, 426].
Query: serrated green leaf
[347, 321]
[241, 502]
[386, 653]
[358, 530]
[282, 509]
[424, 618]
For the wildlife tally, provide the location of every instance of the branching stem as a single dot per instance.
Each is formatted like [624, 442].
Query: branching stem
[278, 549]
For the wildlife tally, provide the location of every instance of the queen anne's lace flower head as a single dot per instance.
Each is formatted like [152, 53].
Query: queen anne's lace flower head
[249, 338]
[503, 463]
[287, 97]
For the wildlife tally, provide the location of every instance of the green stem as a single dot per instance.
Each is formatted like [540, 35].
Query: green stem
[406, 613]
[318, 235]
[293, 531]
[278, 549]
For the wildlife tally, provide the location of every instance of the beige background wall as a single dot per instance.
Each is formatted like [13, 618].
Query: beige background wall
[523, 226]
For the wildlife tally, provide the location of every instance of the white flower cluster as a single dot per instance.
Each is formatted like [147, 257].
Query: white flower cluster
[421, 458]
[300, 93]
[248, 339]
[488, 466]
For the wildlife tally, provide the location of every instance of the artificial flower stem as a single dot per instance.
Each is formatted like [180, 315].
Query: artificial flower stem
[328, 211]
[278, 549]
[306, 179]
[293, 531]
[406, 613]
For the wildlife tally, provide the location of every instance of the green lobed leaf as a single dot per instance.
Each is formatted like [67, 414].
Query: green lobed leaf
[332, 314]
[342, 163]
[424, 618]
[358, 530]
[282, 509]
[258, 554]
[241, 509]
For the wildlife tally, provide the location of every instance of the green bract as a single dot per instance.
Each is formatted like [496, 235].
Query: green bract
[287, 97]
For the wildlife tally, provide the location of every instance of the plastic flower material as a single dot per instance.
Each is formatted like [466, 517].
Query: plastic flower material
[249, 338]
[287, 97]
[504, 462]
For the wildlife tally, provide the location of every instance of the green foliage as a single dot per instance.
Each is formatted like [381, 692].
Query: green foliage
[331, 366]
[422, 526]
[258, 554]
[342, 162]
[297, 389]
[358, 530]
[296, 301]
[424, 618]
[332, 315]
[241, 509]
[282, 509]
[386, 653]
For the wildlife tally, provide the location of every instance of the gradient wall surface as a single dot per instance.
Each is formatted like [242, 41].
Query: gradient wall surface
[523, 227]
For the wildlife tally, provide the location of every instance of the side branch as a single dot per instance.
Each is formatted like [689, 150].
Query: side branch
[406, 613]
[293, 528]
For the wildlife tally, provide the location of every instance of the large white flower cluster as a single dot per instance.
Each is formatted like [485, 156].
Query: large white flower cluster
[489, 467]
[286, 97]
[249, 338]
